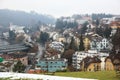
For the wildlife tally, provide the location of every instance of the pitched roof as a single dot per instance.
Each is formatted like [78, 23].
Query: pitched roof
[14, 55]
[88, 60]
[113, 57]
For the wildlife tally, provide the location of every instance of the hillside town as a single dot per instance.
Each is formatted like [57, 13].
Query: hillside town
[77, 43]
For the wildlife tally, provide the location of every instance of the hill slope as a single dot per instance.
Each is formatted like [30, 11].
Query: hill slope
[23, 18]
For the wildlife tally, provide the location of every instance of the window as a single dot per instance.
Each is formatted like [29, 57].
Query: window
[89, 69]
[63, 66]
[38, 66]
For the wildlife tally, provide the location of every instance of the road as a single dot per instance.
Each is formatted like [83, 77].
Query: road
[40, 51]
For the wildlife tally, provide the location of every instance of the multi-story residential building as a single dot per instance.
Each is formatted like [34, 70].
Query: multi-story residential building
[52, 65]
[99, 44]
[54, 35]
[16, 28]
[52, 54]
[90, 64]
[59, 46]
[79, 56]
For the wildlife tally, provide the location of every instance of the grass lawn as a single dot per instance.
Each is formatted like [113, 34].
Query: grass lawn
[100, 75]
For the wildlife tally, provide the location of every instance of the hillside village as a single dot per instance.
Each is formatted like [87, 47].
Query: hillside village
[77, 43]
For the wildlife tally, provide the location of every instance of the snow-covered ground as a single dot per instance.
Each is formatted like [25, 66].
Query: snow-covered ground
[36, 76]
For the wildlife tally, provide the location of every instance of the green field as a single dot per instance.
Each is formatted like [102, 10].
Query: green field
[100, 75]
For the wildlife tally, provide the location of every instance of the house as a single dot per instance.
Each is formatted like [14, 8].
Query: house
[16, 56]
[112, 62]
[22, 57]
[108, 64]
[7, 65]
[86, 43]
[78, 56]
[102, 57]
[90, 64]
[77, 41]
[115, 23]
[59, 46]
[52, 65]
[54, 35]
[99, 43]
[6, 35]
[61, 39]
[52, 54]
[17, 29]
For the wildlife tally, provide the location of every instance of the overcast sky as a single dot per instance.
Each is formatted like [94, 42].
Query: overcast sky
[59, 8]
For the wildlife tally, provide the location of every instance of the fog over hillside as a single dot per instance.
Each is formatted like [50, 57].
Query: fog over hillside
[23, 18]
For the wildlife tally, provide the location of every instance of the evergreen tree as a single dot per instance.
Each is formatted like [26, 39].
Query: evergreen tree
[97, 22]
[68, 55]
[99, 31]
[72, 44]
[116, 41]
[43, 38]
[107, 32]
[19, 67]
[84, 28]
[81, 46]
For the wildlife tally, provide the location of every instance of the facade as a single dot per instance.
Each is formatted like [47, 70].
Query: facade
[16, 28]
[86, 44]
[77, 41]
[90, 64]
[52, 54]
[7, 66]
[24, 60]
[16, 56]
[52, 65]
[54, 35]
[109, 65]
[99, 44]
[102, 63]
[59, 46]
[61, 39]
[112, 62]
[79, 56]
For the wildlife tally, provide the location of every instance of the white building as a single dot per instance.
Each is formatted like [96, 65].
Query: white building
[99, 44]
[79, 56]
[102, 57]
[6, 35]
[17, 28]
[54, 35]
[102, 63]
[59, 46]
